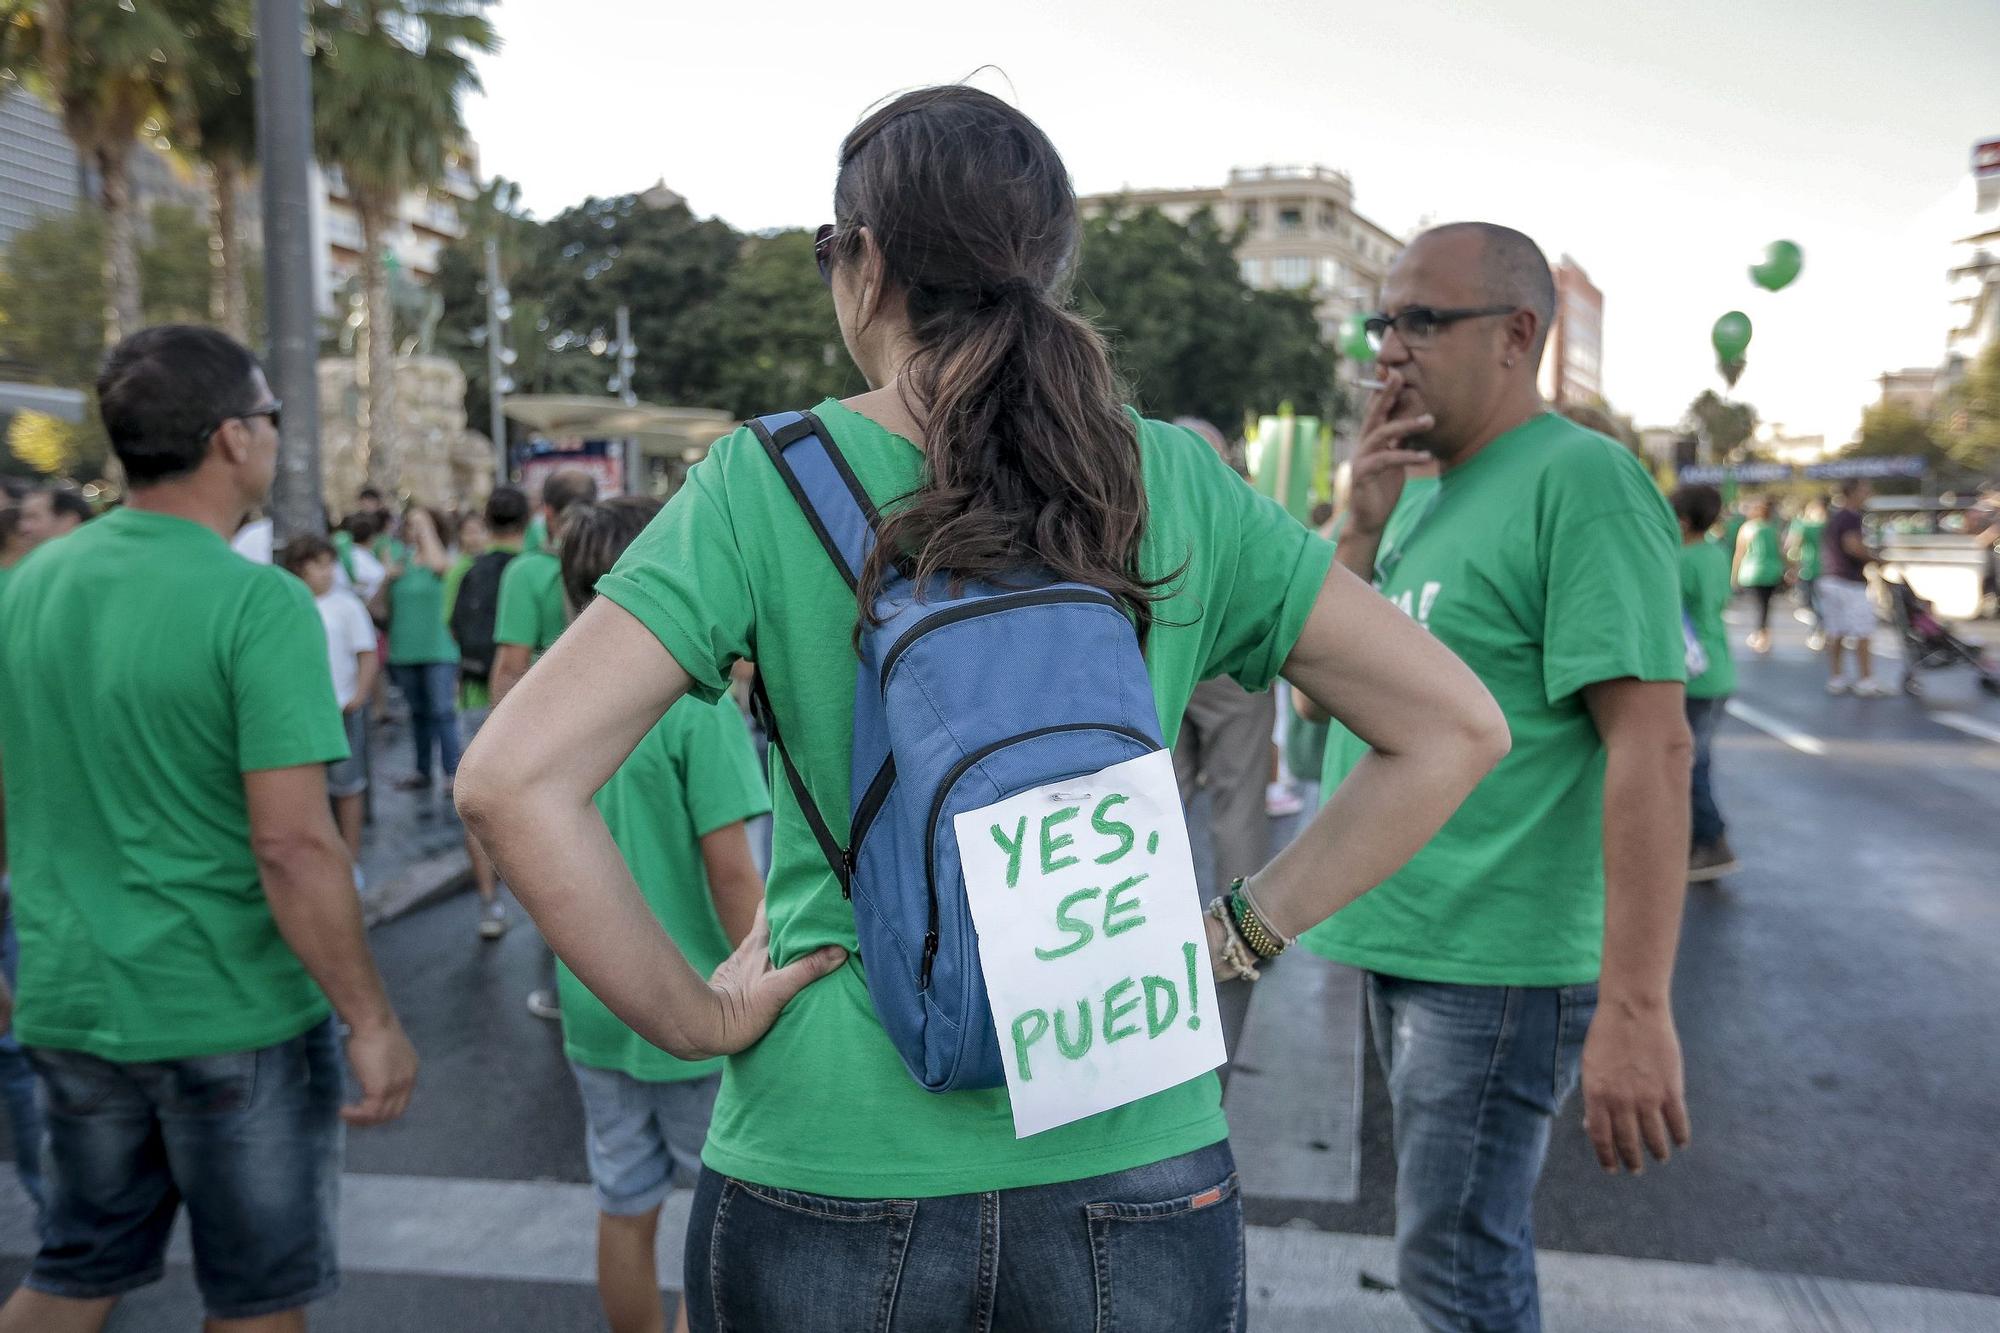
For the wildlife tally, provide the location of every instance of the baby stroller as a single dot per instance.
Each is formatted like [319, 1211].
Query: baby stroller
[1929, 644]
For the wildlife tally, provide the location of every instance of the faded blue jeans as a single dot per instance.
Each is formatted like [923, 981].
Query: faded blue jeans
[430, 689]
[1703, 716]
[19, 1087]
[1476, 1075]
[1157, 1249]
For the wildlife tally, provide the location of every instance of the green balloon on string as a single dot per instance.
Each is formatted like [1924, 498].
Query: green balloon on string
[1782, 262]
[1731, 336]
[1353, 340]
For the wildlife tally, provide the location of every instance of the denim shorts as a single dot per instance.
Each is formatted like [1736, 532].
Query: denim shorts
[349, 776]
[637, 1132]
[249, 1141]
[1156, 1249]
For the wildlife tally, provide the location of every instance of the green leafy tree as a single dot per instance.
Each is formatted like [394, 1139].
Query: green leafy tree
[108, 66]
[775, 330]
[1723, 425]
[1970, 418]
[1188, 334]
[1892, 430]
[52, 298]
[215, 119]
[389, 76]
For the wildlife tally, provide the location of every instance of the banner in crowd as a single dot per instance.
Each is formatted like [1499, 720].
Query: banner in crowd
[1840, 469]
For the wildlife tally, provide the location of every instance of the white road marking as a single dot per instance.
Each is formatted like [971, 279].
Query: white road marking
[1771, 726]
[1971, 726]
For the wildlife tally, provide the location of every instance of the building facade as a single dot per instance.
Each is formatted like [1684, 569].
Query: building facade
[1975, 267]
[1300, 233]
[1573, 361]
[1914, 389]
[426, 221]
[38, 167]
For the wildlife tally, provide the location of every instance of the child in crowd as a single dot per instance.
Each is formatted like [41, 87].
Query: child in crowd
[677, 809]
[351, 652]
[1705, 580]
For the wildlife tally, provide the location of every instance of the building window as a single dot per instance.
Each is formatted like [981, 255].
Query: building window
[1291, 219]
[1330, 276]
[1329, 221]
[1292, 271]
[1253, 272]
[1250, 215]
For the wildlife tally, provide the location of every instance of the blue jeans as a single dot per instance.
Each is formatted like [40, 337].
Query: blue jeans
[430, 689]
[249, 1140]
[1157, 1249]
[1476, 1075]
[21, 1090]
[1703, 716]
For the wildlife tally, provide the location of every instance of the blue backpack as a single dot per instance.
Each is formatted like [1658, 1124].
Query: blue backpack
[964, 697]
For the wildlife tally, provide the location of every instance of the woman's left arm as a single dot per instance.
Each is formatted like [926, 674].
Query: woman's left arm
[526, 790]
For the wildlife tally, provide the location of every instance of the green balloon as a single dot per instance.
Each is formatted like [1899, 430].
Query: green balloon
[1782, 262]
[1353, 340]
[1731, 335]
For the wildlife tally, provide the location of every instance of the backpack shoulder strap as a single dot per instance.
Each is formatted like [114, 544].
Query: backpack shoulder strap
[825, 487]
[845, 521]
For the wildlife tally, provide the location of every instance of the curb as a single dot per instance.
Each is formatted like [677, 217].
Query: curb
[421, 883]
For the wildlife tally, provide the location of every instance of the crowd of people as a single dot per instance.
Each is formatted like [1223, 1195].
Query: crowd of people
[1505, 653]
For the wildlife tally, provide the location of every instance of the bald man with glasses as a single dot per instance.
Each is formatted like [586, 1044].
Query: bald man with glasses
[1532, 942]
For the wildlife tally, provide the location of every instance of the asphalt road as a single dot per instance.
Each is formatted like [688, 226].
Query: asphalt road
[1836, 999]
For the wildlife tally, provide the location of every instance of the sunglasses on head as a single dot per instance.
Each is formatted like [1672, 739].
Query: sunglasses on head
[823, 251]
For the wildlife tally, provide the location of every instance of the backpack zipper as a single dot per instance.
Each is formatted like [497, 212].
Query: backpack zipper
[871, 805]
[987, 606]
[951, 778]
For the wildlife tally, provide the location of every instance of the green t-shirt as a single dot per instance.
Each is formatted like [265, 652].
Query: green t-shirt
[1805, 534]
[536, 539]
[1763, 557]
[695, 772]
[149, 667]
[417, 630]
[732, 570]
[531, 613]
[1704, 595]
[1547, 564]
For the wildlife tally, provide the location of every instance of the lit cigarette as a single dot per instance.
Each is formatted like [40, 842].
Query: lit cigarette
[1373, 384]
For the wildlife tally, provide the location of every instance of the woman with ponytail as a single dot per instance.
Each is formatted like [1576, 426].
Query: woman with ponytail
[838, 1194]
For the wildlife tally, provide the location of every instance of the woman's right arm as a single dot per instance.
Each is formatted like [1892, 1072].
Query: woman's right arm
[1433, 732]
[525, 790]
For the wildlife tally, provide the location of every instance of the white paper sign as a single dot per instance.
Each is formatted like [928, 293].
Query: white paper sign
[1091, 937]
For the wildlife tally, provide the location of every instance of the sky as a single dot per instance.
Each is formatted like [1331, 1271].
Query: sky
[1660, 145]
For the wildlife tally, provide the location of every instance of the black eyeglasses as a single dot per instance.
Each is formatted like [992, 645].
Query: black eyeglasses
[823, 251]
[273, 409]
[1419, 324]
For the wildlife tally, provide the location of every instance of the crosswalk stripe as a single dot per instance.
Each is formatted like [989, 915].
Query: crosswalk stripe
[1773, 727]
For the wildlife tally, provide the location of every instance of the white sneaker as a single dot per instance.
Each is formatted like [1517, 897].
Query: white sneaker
[1815, 641]
[493, 922]
[1837, 687]
[1868, 689]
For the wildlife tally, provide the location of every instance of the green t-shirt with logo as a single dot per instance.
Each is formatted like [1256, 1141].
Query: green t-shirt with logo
[531, 613]
[731, 569]
[1763, 555]
[1704, 597]
[418, 634]
[1547, 563]
[147, 668]
[695, 772]
[1805, 533]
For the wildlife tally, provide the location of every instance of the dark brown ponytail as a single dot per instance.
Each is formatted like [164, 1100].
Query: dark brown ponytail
[1030, 460]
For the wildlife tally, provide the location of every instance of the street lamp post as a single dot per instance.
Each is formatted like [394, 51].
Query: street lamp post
[498, 356]
[285, 157]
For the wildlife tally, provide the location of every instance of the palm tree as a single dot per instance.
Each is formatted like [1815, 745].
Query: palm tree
[216, 120]
[107, 67]
[388, 79]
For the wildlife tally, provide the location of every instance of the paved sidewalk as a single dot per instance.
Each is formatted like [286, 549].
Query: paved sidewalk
[527, 1245]
[413, 851]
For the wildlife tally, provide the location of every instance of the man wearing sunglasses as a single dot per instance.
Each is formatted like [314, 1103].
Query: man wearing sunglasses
[1546, 560]
[185, 903]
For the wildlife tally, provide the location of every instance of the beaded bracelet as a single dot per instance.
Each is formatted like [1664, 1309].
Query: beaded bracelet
[1235, 953]
[1263, 938]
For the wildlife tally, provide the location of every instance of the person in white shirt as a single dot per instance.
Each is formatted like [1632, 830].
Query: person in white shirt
[350, 650]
